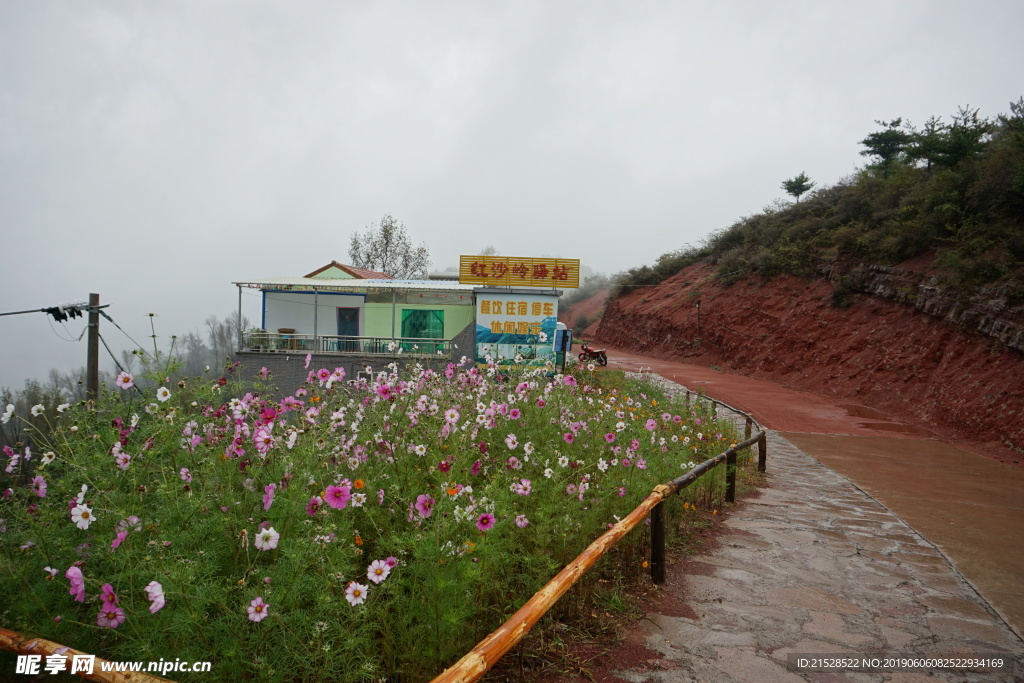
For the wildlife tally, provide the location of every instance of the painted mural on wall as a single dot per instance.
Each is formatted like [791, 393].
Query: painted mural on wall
[516, 328]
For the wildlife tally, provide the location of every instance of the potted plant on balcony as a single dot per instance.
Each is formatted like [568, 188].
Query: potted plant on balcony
[258, 339]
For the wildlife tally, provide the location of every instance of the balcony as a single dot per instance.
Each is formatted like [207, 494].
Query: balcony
[276, 342]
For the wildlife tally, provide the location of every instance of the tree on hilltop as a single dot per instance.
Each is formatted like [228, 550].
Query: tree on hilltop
[889, 144]
[387, 249]
[798, 185]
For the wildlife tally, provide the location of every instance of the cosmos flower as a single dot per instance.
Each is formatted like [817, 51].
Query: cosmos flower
[267, 539]
[82, 516]
[485, 521]
[155, 593]
[125, 380]
[338, 496]
[378, 571]
[257, 609]
[74, 575]
[162, 394]
[424, 505]
[111, 616]
[356, 593]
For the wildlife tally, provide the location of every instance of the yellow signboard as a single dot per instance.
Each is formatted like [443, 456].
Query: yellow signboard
[514, 271]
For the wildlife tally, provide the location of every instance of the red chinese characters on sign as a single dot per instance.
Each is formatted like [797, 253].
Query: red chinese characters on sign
[520, 270]
[478, 269]
[540, 271]
[561, 273]
[499, 270]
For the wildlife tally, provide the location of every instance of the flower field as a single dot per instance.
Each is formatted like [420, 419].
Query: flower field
[354, 530]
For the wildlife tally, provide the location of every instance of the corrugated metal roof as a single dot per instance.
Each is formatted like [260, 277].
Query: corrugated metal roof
[323, 285]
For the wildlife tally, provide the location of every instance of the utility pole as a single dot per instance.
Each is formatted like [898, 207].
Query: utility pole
[92, 373]
[698, 318]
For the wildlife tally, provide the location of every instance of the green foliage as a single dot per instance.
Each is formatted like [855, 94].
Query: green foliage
[797, 186]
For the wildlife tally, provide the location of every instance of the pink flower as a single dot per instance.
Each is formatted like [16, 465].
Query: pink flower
[123, 460]
[568, 437]
[74, 574]
[125, 381]
[39, 485]
[521, 521]
[391, 562]
[378, 571]
[257, 609]
[540, 403]
[185, 475]
[155, 593]
[309, 357]
[121, 535]
[268, 497]
[651, 424]
[264, 373]
[338, 496]
[514, 414]
[107, 594]
[485, 521]
[313, 506]
[475, 469]
[610, 437]
[111, 616]
[424, 505]
[570, 381]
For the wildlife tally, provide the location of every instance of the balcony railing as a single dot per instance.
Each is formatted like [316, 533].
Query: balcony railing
[344, 345]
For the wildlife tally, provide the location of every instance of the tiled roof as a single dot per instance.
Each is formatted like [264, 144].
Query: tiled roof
[358, 273]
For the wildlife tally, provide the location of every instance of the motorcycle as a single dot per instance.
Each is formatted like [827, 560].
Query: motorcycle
[593, 355]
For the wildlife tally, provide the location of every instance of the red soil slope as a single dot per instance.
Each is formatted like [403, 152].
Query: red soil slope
[884, 354]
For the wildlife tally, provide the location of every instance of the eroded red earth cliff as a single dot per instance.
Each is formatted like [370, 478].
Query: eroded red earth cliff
[883, 354]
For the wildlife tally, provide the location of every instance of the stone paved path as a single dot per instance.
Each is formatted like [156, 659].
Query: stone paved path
[813, 565]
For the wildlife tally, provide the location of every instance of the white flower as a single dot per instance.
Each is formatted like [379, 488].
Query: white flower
[602, 465]
[6, 417]
[162, 394]
[355, 593]
[563, 461]
[548, 472]
[37, 410]
[82, 516]
[62, 407]
[48, 457]
[267, 539]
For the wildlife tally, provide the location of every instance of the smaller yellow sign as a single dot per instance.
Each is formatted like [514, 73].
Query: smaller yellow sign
[515, 271]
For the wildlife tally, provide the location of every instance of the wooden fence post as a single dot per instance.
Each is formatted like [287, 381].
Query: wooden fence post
[658, 543]
[730, 476]
[762, 452]
[746, 430]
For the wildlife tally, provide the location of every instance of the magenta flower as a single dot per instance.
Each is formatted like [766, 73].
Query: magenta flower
[155, 593]
[475, 469]
[185, 475]
[514, 414]
[121, 535]
[323, 374]
[568, 437]
[424, 505]
[74, 575]
[610, 437]
[444, 466]
[257, 609]
[314, 505]
[111, 616]
[338, 496]
[485, 521]
[570, 381]
[391, 562]
[268, 497]
[39, 486]
[107, 594]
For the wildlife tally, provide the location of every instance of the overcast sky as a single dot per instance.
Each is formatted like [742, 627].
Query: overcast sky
[154, 152]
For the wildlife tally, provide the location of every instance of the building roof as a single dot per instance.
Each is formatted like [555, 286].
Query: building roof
[310, 284]
[352, 271]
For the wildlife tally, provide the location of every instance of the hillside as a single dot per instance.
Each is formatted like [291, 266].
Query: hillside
[901, 345]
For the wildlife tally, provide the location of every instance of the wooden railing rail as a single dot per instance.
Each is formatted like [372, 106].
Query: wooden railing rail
[25, 645]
